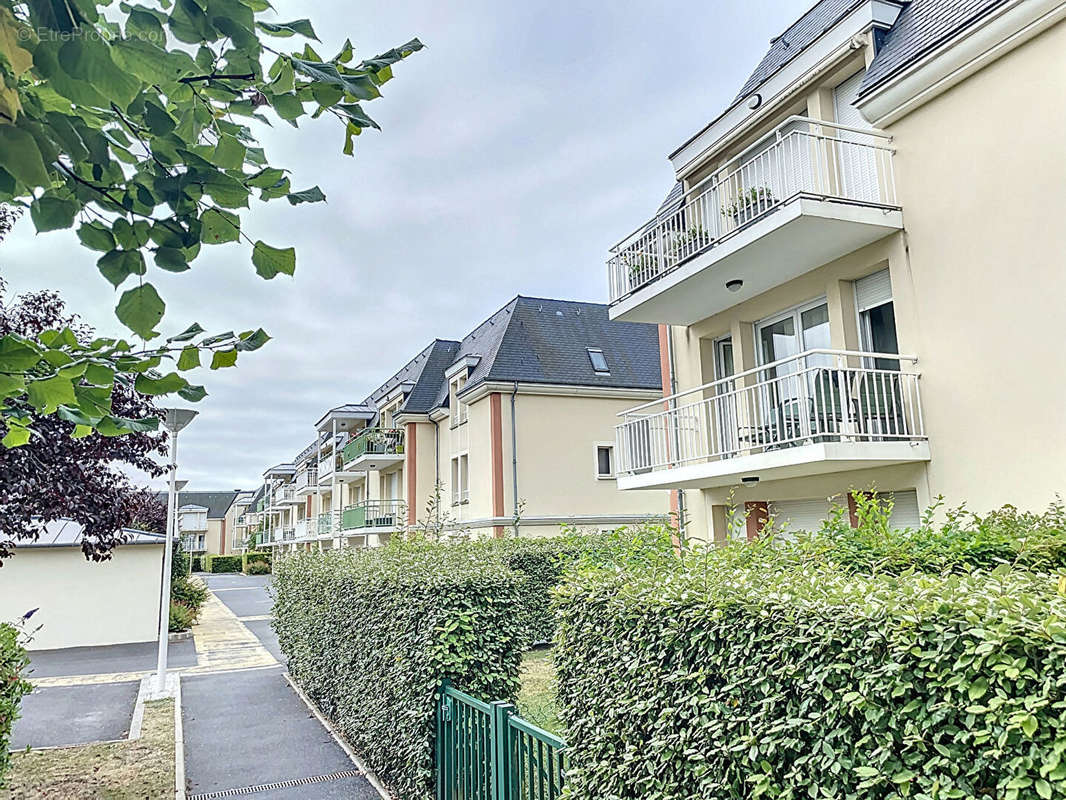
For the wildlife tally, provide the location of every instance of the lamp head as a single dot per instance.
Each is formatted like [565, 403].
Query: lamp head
[178, 418]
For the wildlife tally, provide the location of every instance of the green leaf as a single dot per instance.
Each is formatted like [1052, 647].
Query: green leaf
[81, 431]
[223, 358]
[53, 213]
[154, 384]
[312, 195]
[266, 178]
[96, 237]
[48, 394]
[866, 772]
[89, 59]
[229, 153]
[160, 123]
[171, 259]
[1029, 725]
[288, 106]
[99, 375]
[11, 385]
[1043, 788]
[904, 776]
[189, 358]
[977, 689]
[189, 333]
[285, 29]
[118, 265]
[194, 394]
[219, 227]
[21, 157]
[252, 340]
[140, 309]
[16, 436]
[17, 354]
[269, 261]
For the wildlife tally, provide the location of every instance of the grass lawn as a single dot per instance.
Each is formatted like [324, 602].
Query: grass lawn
[140, 769]
[536, 700]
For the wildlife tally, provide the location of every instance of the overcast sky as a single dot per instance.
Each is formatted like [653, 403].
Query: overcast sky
[516, 149]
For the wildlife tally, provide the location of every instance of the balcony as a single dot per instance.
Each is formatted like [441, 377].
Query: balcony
[817, 193]
[373, 514]
[818, 412]
[374, 448]
[325, 524]
[305, 482]
[288, 534]
[286, 495]
[302, 530]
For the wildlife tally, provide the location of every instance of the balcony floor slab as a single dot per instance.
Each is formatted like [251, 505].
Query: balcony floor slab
[799, 235]
[788, 462]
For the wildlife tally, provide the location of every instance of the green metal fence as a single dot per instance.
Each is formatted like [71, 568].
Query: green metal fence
[485, 751]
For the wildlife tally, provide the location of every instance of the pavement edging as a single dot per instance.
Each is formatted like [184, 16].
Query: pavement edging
[371, 778]
[179, 747]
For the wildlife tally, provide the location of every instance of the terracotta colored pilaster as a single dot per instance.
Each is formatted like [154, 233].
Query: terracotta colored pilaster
[758, 514]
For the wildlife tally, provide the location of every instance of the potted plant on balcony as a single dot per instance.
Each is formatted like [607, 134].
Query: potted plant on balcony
[749, 203]
[690, 242]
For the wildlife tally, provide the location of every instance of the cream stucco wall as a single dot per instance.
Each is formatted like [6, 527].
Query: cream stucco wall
[82, 602]
[978, 278]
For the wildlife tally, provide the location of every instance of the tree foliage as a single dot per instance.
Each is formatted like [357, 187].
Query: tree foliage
[136, 129]
[58, 475]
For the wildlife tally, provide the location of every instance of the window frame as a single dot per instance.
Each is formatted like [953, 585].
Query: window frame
[598, 351]
[610, 447]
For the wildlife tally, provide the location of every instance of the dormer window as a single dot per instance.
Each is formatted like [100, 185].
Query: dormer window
[598, 361]
[457, 406]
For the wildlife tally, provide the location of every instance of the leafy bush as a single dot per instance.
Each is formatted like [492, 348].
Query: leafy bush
[250, 557]
[836, 665]
[190, 593]
[181, 617]
[216, 564]
[257, 568]
[197, 564]
[369, 634]
[180, 563]
[13, 663]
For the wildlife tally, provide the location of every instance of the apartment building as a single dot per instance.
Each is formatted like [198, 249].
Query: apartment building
[509, 431]
[239, 520]
[204, 519]
[859, 272]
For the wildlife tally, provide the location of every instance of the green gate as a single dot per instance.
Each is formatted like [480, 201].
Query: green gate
[486, 752]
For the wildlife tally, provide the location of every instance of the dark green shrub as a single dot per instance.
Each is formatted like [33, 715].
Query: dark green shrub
[181, 617]
[180, 565]
[250, 557]
[190, 593]
[216, 564]
[369, 634]
[781, 670]
[13, 663]
[257, 568]
[197, 564]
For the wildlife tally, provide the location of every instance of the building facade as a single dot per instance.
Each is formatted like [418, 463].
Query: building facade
[509, 431]
[859, 271]
[205, 521]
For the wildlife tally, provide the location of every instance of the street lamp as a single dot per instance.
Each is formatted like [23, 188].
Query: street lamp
[175, 420]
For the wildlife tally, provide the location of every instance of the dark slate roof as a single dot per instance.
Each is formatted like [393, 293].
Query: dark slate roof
[216, 503]
[67, 533]
[424, 372]
[797, 37]
[547, 341]
[922, 26]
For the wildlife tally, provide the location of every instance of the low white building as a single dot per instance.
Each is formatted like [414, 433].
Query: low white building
[80, 602]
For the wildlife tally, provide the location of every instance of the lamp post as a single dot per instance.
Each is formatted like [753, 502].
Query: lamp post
[175, 420]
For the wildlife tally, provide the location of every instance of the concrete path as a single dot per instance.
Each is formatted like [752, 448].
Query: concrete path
[66, 715]
[245, 727]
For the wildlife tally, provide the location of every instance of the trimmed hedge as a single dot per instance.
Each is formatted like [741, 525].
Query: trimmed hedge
[369, 634]
[838, 665]
[248, 558]
[13, 663]
[215, 563]
[197, 564]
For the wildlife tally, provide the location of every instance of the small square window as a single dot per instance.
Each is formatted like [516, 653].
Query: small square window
[604, 462]
[599, 361]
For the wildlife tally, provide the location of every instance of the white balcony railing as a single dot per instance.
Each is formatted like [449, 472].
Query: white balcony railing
[305, 478]
[807, 157]
[326, 466]
[813, 397]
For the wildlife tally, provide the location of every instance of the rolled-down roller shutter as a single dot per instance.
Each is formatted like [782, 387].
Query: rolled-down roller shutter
[799, 515]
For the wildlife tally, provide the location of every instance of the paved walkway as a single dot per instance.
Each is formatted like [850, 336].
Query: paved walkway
[244, 725]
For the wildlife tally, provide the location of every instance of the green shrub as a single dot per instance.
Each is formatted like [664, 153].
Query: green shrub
[216, 564]
[252, 557]
[197, 564]
[180, 566]
[257, 568]
[369, 634]
[181, 617]
[783, 670]
[13, 663]
[190, 593]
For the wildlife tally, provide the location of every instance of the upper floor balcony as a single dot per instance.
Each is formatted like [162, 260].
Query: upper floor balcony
[814, 193]
[286, 495]
[374, 448]
[373, 514]
[818, 412]
[305, 481]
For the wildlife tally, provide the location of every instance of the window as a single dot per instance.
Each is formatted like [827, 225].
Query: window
[599, 361]
[604, 461]
[457, 406]
[460, 480]
[877, 317]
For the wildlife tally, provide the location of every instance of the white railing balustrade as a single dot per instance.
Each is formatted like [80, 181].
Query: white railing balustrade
[813, 397]
[326, 466]
[806, 158]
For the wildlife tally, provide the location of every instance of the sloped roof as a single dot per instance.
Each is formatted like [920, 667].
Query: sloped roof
[796, 38]
[216, 503]
[922, 26]
[67, 533]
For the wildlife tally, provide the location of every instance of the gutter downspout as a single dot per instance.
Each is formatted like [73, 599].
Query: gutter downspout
[514, 458]
[681, 522]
